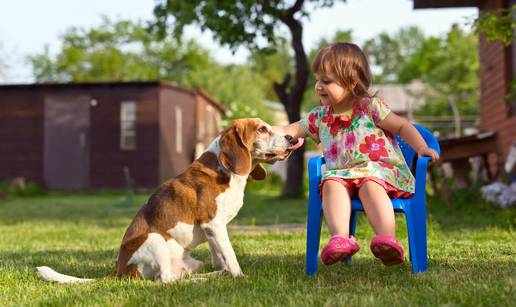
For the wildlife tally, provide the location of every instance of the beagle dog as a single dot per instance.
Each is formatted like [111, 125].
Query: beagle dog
[196, 207]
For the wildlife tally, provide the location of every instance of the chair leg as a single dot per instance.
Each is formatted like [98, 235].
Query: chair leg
[352, 227]
[313, 235]
[416, 228]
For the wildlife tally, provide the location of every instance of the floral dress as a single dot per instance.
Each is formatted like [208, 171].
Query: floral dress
[357, 150]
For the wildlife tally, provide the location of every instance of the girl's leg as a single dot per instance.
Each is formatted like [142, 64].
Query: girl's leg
[336, 207]
[337, 211]
[378, 208]
[379, 211]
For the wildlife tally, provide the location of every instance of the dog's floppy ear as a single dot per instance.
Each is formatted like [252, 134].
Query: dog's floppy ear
[234, 148]
[258, 173]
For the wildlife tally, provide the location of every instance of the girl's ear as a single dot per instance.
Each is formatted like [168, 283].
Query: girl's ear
[258, 173]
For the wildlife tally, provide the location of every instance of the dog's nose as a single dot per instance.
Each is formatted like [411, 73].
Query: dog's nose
[291, 139]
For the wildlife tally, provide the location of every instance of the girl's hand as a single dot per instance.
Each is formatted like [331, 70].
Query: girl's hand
[428, 152]
[295, 130]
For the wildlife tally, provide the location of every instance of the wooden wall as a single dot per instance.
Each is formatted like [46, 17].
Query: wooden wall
[21, 135]
[156, 156]
[173, 159]
[107, 158]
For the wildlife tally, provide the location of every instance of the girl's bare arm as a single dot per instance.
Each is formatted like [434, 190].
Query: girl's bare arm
[293, 129]
[400, 126]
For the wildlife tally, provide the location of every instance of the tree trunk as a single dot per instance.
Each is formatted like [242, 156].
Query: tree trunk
[295, 174]
[291, 97]
[296, 163]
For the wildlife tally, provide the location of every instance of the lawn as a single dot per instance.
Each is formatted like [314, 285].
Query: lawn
[472, 258]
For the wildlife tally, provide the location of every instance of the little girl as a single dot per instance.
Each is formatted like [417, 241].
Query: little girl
[362, 156]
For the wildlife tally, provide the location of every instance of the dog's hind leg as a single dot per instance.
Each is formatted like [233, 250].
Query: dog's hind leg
[192, 265]
[153, 259]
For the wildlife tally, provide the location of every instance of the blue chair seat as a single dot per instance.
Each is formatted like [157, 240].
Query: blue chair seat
[414, 208]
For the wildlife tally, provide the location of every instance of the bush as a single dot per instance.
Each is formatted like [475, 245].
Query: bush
[20, 187]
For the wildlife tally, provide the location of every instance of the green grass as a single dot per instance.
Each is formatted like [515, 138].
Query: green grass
[472, 258]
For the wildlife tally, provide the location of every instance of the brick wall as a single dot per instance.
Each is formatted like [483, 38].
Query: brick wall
[495, 75]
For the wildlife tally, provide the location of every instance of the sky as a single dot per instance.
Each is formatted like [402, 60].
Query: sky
[26, 27]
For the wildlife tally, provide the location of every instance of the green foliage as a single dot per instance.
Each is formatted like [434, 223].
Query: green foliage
[272, 64]
[118, 51]
[9, 188]
[253, 24]
[454, 71]
[126, 51]
[448, 65]
[237, 87]
[497, 25]
[396, 54]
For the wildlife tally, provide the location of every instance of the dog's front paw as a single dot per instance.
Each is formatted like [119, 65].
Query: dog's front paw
[236, 273]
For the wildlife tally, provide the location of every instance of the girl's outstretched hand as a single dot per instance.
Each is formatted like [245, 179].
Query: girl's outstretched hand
[428, 152]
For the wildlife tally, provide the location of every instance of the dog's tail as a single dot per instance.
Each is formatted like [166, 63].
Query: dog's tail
[48, 274]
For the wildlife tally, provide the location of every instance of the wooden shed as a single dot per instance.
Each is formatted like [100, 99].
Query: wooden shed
[497, 70]
[83, 135]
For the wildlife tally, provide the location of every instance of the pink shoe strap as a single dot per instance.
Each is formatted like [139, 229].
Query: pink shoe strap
[347, 240]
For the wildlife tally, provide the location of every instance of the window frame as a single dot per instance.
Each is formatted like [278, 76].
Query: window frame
[128, 120]
[179, 129]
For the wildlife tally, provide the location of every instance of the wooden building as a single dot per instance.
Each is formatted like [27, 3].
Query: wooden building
[497, 70]
[83, 135]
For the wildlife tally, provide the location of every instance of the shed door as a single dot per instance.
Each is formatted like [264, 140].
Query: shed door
[67, 146]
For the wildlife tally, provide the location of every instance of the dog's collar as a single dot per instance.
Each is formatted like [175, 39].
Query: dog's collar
[220, 165]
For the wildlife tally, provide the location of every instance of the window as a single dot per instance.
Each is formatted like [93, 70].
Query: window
[128, 125]
[179, 130]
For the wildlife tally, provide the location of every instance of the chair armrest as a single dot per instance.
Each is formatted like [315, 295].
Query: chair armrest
[421, 169]
[314, 166]
[314, 176]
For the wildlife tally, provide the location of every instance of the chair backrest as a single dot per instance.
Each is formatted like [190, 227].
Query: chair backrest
[408, 152]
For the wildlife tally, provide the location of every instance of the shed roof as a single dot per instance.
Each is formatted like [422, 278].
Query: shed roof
[399, 97]
[85, 85]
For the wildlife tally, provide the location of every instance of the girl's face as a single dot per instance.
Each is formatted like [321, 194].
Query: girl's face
[329, 90]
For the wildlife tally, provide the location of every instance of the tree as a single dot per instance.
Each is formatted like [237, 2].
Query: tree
[272, 64]
[392, 54]
[448, 64]
[125, 51]
[254, 25]
[118, 51]
[454, 69]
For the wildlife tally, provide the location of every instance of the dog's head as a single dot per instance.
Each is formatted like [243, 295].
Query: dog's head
[249, 142]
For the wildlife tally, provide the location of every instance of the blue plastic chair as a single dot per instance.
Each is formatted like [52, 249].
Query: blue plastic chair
[414, 208]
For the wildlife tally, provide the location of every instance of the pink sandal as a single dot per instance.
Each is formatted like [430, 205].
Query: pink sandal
[339, 248]
[388, 249]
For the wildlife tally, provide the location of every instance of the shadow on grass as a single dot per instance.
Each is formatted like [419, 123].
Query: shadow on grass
[104, 209]
[95, 209]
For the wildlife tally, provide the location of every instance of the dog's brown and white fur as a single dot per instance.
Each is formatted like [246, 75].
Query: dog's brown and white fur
[195, 207]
